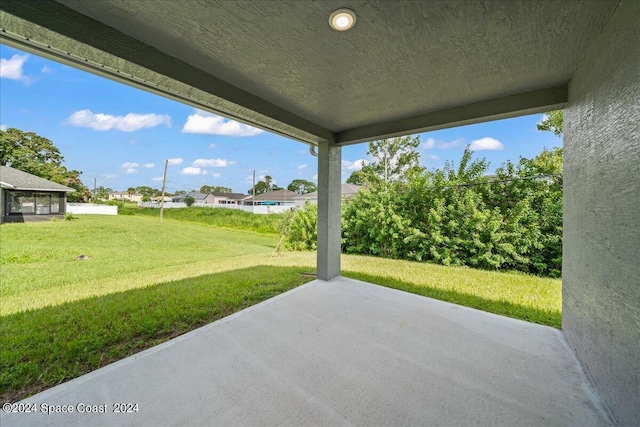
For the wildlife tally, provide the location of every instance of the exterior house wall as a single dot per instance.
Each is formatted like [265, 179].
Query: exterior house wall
[601, 264]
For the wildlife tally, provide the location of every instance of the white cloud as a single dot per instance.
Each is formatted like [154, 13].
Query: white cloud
[216, 163]
[129, 123]
[157, 178]
[47, 70]
[211, 124]
[212, 146]
[315, 177]
[302, 167]
[544, 117]
[130, 167]
[176, 161]
[149, 165]
[110, 176]
[355, 165]
[216, 175]
[443, 145]
[3, 128]
[193, 171]
[12, 68]
[486, 143]
[432, 157]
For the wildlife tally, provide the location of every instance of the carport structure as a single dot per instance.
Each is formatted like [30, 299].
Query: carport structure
[407, 67]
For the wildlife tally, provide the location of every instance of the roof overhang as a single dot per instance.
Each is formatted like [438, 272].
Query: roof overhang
[405, 67]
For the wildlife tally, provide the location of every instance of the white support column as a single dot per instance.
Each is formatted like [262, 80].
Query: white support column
[329, 199]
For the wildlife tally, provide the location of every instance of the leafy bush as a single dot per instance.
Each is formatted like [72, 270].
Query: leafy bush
[461, 216]
[300, 228]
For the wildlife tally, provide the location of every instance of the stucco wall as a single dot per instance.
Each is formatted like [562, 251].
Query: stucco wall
[601, 260]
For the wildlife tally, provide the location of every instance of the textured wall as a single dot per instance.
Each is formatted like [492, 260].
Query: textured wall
[601, 269]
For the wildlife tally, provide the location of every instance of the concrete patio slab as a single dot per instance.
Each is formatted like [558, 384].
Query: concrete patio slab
[342, 352]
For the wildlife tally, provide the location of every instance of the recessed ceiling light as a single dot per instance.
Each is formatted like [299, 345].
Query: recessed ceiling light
[342, 19]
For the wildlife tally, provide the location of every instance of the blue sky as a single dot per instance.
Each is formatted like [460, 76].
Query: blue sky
[121, 136]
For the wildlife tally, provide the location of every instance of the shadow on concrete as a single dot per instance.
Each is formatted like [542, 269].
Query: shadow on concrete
[501, 307]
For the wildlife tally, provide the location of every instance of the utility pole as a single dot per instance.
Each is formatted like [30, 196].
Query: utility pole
[95, 189]
[253, 202]
[164, 186]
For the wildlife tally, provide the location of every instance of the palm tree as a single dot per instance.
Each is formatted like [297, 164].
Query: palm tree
[267, 180]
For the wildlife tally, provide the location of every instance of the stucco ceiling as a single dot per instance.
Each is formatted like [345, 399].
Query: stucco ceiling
[405, 66]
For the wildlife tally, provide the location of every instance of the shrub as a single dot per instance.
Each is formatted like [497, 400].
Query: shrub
[300, 228]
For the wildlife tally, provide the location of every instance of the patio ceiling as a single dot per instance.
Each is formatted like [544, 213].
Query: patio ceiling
[405, 66]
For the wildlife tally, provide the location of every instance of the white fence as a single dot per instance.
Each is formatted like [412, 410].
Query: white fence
[91, 209]
[258, 209]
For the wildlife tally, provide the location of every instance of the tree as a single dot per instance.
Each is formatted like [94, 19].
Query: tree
[179, 192]
[37, 155]
[206, 189]
[189, 200]
[267, 181]
[260, 187]
[302, 186]
[131, 191]
[358, 177]
[147, 191]
[395, 160]
[103, 192]
[552, 121]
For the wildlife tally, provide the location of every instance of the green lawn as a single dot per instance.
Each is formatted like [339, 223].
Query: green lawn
[146, 282]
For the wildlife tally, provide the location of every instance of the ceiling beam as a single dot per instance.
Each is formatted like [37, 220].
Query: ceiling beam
[57, 32]
[536, 101]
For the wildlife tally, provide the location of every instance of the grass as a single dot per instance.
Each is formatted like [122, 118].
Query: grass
[531, 298]
[146, 282]
[41, 348]
[219, 217]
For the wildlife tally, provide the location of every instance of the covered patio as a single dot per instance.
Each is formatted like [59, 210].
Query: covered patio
[339, 351]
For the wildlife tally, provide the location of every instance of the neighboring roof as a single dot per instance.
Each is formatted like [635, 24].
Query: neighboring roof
[347, 191]
[282, 195]
[19, 180]
[195, 194]
[234, 196]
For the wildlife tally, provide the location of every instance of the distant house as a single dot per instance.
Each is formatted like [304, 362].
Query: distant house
[281, 197]
[217, 198]
[348, 191]
[198, 197]
[123, 195]
[25, 197]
